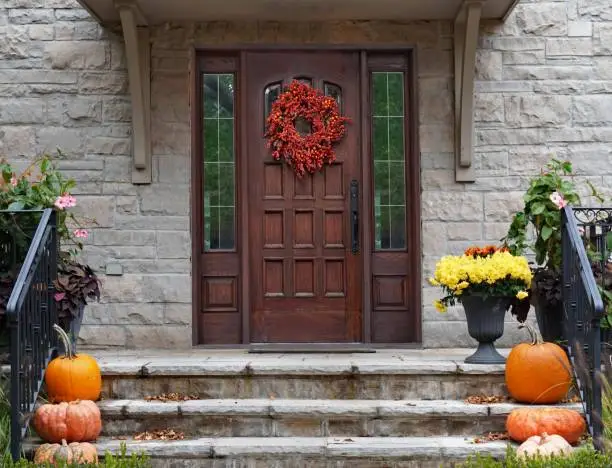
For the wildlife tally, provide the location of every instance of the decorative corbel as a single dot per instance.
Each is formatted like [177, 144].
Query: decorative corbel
[467, 23]
[138, 55]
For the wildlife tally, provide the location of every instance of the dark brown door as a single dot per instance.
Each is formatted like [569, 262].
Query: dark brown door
[305, 279]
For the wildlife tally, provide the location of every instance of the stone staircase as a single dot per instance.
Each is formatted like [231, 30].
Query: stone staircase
[386, 409]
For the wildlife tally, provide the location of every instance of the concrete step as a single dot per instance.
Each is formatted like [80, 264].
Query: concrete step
[384, 375]
[306, 418]
[307, 452]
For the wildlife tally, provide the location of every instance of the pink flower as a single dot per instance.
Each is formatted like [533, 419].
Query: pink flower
[81, 233]
[558, 200]
[14, 181]
[65, 201]
[59, 296]
[581, 230]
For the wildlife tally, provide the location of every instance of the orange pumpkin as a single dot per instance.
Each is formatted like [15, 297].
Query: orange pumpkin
[538, 372]
[73, 376]
[523, 423]
[77, 421]
[76, 452]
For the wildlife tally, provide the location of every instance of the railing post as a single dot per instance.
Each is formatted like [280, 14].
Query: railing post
[566, 283]
[53, 254]
[14, 360]
[597, 406]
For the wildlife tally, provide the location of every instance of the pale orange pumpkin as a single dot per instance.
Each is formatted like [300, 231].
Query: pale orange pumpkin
[77, 421]
[76, 452]
[538, 372]
[544, 446]
[523, 423]
[73, 376]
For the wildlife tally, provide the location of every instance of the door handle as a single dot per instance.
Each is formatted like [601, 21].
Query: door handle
[354, 205]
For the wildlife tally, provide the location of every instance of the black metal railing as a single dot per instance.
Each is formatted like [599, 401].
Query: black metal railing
[31, 313]
[583, 309]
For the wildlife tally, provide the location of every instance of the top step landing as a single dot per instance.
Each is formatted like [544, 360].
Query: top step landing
[234, 362]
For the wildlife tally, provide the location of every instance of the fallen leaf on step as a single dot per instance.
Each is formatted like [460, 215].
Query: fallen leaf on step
[492, 437]
[173, 396]
[486, 399]
[162, 434]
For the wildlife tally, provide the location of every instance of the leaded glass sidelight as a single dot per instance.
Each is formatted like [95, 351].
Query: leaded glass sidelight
[219, 162]
[388, 152]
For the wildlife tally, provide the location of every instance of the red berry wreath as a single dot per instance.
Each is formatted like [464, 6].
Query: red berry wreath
[304, 153]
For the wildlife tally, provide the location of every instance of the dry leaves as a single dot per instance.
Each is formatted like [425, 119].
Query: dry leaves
[572, 399]
[484, 399]
[492, 437]
[174, 396]
[162, 434]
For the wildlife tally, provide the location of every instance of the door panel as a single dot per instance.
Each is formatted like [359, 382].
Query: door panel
[305, 279]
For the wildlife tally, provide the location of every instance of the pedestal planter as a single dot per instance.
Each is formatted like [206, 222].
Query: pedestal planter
[485, 319]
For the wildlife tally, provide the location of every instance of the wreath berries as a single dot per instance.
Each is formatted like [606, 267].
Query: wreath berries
[304, 153]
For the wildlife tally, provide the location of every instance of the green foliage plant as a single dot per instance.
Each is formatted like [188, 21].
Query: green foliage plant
[542, 212]
[42, 185]
[584, 457]
[547, 194]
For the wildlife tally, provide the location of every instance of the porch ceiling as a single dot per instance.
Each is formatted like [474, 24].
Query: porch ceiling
[160, 11]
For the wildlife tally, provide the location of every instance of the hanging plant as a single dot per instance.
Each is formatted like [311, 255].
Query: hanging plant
[304, 152]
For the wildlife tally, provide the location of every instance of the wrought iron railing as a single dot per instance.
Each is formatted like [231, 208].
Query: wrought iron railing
[31, 313]
[583, 311]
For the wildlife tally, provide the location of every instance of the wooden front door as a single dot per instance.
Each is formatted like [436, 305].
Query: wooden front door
[305, 262]
[279, 259]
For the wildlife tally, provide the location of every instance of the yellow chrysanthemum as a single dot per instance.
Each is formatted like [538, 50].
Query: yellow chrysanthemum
[500, 272]
[439, 305]
[521, 295]
[455, 271]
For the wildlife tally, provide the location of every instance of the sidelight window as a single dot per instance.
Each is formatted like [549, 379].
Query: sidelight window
[388, 152]
[219, 162]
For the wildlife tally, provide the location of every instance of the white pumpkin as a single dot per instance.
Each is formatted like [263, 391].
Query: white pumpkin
[544, 446]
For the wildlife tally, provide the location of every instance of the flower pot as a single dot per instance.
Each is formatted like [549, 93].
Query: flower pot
[72, 326]
[550, 323]
[550, 319]
[548, 305]
[485, 319]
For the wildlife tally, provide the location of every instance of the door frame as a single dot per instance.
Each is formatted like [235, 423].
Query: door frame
[412, 178]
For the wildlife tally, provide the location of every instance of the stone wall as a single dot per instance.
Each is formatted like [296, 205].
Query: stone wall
[544, 89]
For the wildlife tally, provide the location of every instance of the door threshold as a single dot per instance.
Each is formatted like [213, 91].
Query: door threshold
[310, 348]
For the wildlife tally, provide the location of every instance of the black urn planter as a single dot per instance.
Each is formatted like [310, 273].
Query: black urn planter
[550, 320]
[485, 320]
[72, 326]
[547, 302]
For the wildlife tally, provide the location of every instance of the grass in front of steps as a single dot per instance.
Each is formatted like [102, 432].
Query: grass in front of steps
[607, 410]
[585, 457]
